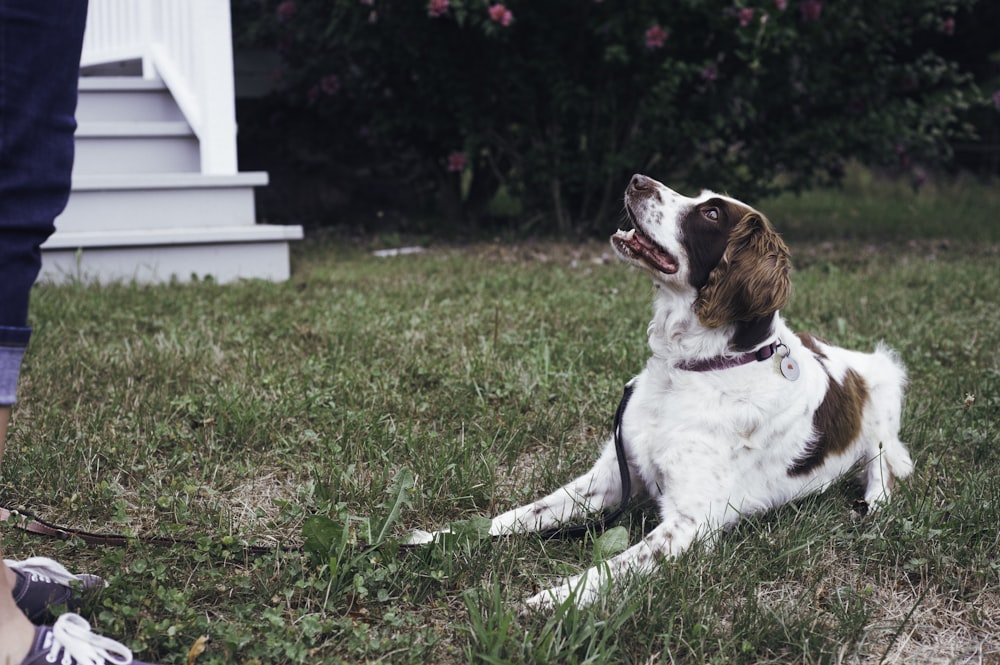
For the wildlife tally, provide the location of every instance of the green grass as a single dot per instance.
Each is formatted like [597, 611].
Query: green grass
[869, 208]
[374, 396]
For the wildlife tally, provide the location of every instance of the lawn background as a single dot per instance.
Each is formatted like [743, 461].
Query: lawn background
[371, 396]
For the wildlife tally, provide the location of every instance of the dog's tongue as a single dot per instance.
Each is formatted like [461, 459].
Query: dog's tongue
[652, 253]
[662, 262]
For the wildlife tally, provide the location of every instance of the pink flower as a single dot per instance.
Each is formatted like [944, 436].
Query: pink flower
[781, 5]
[286, 10]
[656, 37]
[456, 161]
[500, 14]
[436, 8]
[948, 26]
[810, 10]
[996, 99]
[710, 73]
[746, 15]
[329, 84]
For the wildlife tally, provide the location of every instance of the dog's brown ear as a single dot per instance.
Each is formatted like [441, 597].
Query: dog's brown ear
[752, 279]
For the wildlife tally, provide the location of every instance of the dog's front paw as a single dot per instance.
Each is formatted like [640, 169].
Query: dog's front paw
[547, 599]
[582, 590]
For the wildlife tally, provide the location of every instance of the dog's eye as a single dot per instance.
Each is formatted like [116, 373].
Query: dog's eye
[711, 213]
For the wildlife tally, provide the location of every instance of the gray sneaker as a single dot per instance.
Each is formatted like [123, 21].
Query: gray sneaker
[44, 584]
[71, 642]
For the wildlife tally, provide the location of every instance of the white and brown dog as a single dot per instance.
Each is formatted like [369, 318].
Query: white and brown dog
[734, 413]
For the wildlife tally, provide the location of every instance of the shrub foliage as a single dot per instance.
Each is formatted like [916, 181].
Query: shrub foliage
[556, 103]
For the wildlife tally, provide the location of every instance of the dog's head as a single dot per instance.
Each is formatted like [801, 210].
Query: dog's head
[722, 248]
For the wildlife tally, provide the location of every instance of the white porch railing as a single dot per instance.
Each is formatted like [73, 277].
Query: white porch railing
[186, 43]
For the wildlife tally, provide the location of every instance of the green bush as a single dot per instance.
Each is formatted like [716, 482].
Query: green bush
[556, 102]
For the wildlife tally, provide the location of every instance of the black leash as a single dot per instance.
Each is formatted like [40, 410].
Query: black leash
[600, 523]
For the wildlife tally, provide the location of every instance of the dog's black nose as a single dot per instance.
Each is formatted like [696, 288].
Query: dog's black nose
[640, 183]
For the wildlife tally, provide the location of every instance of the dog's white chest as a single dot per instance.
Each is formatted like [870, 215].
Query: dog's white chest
[680, 439]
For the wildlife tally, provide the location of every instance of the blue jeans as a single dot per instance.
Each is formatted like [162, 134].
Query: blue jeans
[40, 43]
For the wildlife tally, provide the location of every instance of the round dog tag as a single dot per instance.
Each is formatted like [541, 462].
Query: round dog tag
[789, 368]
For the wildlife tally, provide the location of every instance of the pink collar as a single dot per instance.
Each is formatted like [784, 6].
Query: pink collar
[725, 362]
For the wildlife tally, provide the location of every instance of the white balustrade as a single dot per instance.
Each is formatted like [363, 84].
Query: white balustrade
[188, 45]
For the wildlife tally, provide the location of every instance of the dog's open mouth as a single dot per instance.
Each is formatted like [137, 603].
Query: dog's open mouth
[636, 245]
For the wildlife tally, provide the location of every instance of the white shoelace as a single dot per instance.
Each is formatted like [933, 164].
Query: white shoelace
[51, 571]
[71, 635]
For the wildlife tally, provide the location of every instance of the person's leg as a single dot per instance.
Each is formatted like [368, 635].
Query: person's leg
[40, 47]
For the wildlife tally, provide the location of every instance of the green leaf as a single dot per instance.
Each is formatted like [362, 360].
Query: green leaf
[400, 490]
[613, 541]
[323, 536]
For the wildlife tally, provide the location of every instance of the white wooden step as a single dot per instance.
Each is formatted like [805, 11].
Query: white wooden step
[136, 147]
[172, 236]
[160, 255]
[151, 201]
[110, 98]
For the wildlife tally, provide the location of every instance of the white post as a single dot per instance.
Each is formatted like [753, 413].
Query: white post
[216, 94]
